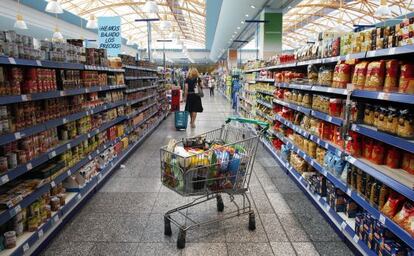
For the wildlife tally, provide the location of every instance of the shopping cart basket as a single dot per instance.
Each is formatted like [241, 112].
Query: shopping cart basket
[216, 162]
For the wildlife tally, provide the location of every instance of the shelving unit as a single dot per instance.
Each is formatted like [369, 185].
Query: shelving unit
[28, 242]
[396, 179]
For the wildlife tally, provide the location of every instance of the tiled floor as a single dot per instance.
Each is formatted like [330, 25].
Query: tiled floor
[126, 216]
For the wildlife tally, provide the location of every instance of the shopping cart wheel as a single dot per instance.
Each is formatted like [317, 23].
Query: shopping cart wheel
[167, 226]
[252, 221]
[181, 239]
[220, 204]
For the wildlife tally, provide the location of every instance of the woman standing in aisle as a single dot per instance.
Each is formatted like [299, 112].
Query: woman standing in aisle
[211, 84]
[192, 98]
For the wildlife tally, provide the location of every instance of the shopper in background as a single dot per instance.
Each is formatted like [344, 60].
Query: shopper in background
[192, 98]
[211, 85]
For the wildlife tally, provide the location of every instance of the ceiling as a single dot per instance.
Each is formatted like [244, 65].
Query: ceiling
[188, 19]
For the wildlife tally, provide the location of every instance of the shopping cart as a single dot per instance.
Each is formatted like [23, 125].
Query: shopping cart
[219, 162]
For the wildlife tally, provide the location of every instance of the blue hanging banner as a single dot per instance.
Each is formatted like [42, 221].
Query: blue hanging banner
[109, 33]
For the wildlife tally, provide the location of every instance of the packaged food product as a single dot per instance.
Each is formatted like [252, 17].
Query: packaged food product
[342, 75]
[325, 76]
[383, 195]
[382, 121]
[403, 216]
[406, 84]
[408, 162]
[375, 76]
[393, 204]
[10, 239]
[354, 146]
[378, 153]
[405, 124]
[393, 157]
[392, 120]
[367, 145]
[335, 107]
[377, 110]
[313, 74]
[369, 114]
[360, 74]
[391, 76]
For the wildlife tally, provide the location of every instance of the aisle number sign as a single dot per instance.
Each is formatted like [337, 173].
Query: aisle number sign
[109, 30]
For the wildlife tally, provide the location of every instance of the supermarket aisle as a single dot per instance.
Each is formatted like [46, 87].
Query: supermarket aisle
[126, 216]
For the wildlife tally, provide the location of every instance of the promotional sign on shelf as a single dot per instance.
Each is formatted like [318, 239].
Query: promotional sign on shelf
[109, 33]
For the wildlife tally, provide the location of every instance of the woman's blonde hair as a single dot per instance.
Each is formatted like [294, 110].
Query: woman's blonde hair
[193, 73]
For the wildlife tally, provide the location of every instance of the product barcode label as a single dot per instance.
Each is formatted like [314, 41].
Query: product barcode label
[4, 179]
[26, 247]
[382, 219]
[40, 233]
[391, 51]
[383, 96]
[52, 184]
[12, 61]
[343, 225]
[39, 63]
[348, 191]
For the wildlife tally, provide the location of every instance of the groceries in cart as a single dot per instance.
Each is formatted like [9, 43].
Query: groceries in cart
[197, 165]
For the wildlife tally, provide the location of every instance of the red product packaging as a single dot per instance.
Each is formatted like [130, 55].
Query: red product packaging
[393, 204]
[335, 107]
[402, 218]
[375, 76]
[393, 157]
[406, 84]
[378, 153]
[354, 146]
[326, 130]
[391, 76]
[408, 162]
[367, 145]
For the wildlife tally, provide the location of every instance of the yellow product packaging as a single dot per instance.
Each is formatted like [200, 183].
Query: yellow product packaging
[120, 130]
[125, 142]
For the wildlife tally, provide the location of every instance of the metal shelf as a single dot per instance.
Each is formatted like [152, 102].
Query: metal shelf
[10, 137]
[388, 96]
[29, 242]
[391, 51]
[24, 168]
[140, 77]
[292, 126]
[55, 94]
[139, 68]
[265, 80]
[341, 224]
[265, 92]
[54, 64]
[393, 140]
[135, 113]
[140, 89]
[325, 89]
[330, 119]
[132, 102]
[304, 110]
[265, 103]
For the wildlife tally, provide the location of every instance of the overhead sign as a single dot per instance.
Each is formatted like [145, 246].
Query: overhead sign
[109, 30]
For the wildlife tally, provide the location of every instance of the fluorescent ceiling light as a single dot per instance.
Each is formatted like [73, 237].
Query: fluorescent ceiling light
[242, 22]
[238, 27]
[92, 22]
[247, 15]
[150, 7]
[252, 6]
[53, 6]
[165, 24]
[20, 24]
[383, 11]
[57, 36]
[129, 41]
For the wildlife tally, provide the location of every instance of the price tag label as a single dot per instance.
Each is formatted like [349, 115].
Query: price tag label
[382, 219]
[40, 233]
[318, 197]
[69, 173]
[5, 179]
[78, 197]
[343, 225]
[26, 247]
[56, 218]
[18, 135]
[383, 96]
[391, 51]
[328, 207]
[300, 178]
[15, 210]
[12, 61]
[68, 146]
[64, 120]
[52, 184]
[87, 90]
[52, 154]
[351, 160]
[90, 157]
[324, 172]
[39, 63]
[348, 191]
[89, 135]
[100, 176]
[348, 56]
[105, 107]
[329, 119]
[330, 90]
[355, 238]
[24, 97]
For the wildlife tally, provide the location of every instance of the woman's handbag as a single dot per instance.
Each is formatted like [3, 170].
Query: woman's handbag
[200, 90]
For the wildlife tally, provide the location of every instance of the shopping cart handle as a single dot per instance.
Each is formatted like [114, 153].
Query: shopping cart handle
[264, 125]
